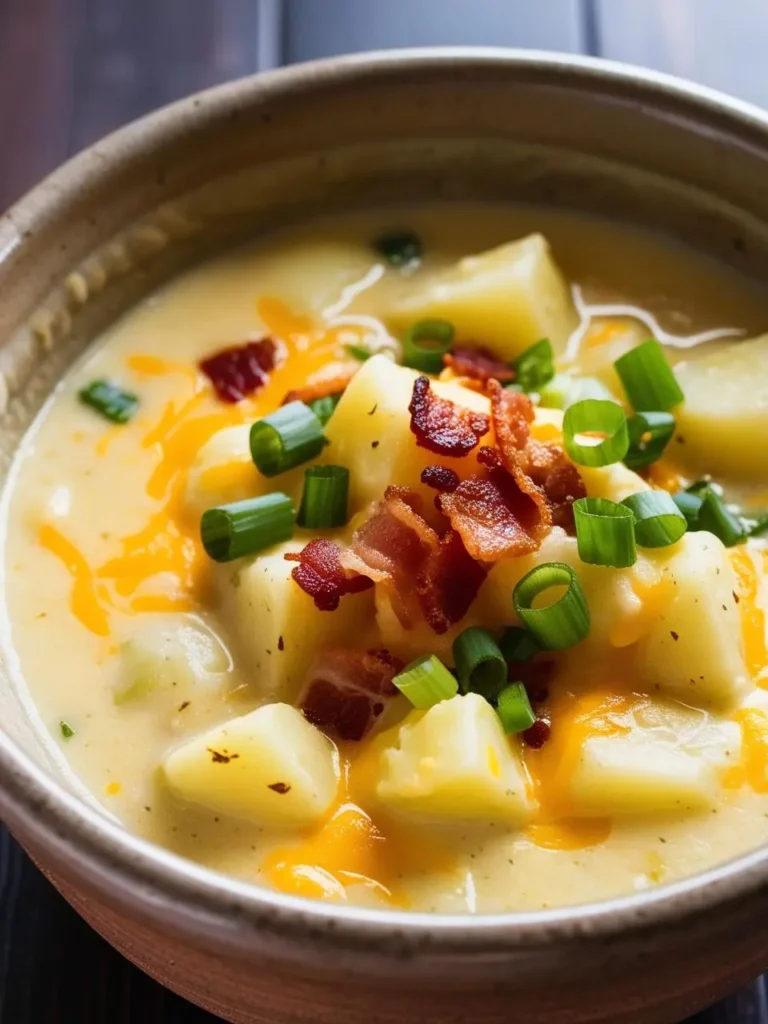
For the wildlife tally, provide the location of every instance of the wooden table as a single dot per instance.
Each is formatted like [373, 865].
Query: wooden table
[72, 70]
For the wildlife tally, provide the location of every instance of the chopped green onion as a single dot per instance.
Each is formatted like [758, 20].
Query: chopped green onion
[605, 532]
[598, 416]
[479, 663]
[517, 644]
[649, 435]
[658, 520]
[66, 730]
[426, 342]
[706, 483]
[323, 408]
[245, 527]
[648, 378]
[112, 402]
[565, 621]
[426, 681]
[715, 516]
[514, 709]
[536, 366]
[358, 352]
[690, 505]
[757, 527]
[286, 438]
[564, 390]
[324, 503]
[399, 248]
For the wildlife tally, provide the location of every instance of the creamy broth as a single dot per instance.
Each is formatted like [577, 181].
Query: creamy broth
[102, 545]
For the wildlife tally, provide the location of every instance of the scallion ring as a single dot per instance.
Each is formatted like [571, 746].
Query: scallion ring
[326, 494]
[514, 709]
[648, 379]
[518, 645]
[109, 400]
[595, 416]
[245, 527]
[324, 407]
[562, 623]
[649, 435]
[426, 682]
[717, 518]
[605, 532]
[287, 437]
[690, 505]
[535, 367]
[658, 520]
[479, 663]
[426, 342]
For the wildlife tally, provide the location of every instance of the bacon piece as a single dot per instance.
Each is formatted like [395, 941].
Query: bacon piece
[241, 370]
[323, 388]
[512, 413]
[495, 518]
[321, 574]
[442, 426]
[346, 690]
[440, 478]
[490, 458]
[448, 583]
[479, 364]
[537, 735]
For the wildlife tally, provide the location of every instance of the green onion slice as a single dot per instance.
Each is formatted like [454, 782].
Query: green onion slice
[648, 378]
[323, 408]
[426, 682]
[649, 435]
[110, 401]
[690, 505]
[517, 644]
[598, 416]
[605, 532]
[358, 352]
[715, 516]
[658, 520]
[66, 730]
[426, 342]
[399, 248]
[535, 367]
[245, 527]
[514, 709]
[286, 438]
[324, 502]
[479, 663]
[757, 527]
[565, 621]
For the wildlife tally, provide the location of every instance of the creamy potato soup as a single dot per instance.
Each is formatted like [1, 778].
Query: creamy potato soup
[414, 560]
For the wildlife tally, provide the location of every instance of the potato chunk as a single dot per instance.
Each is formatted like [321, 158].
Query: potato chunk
[269, 767]
[370, 431]
[505, 298]
[276, 625]
[724, 418]
[453, 763]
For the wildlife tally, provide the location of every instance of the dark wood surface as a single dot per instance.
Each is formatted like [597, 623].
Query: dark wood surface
[72, 70]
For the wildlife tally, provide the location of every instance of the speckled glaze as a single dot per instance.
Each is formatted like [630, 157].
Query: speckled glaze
[171, 189]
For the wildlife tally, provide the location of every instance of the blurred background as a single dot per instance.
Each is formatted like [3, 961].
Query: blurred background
[73, 70]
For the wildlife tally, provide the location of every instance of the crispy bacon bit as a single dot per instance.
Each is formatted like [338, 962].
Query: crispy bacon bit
[537, 735]
[512, 413]
[494, 517]
[322, 388]
[241, 370]
[440, 478]
[490, 458]
[321, 574]
[479, 364]
[448, 583]
[346, 690]
[441, 426]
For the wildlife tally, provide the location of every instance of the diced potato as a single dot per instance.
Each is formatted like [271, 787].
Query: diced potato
[276, 625]
[270, 767]
[370, 431]
[176, 654]
[723, 421]
[605, 340]
[453, 763]
[505, 298]
[224, 472]
[694, 648]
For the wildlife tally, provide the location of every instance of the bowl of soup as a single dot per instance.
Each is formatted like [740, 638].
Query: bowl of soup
[384, 541]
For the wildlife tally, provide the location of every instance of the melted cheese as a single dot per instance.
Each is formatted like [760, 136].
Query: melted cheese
[751, 614]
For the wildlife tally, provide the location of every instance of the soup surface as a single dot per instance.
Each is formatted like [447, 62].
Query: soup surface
[423, 656]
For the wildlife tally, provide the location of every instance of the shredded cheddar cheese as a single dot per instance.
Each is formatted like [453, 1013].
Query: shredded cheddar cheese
[751, 614]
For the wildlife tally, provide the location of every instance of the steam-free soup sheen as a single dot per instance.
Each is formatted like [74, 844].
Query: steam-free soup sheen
[193, 697]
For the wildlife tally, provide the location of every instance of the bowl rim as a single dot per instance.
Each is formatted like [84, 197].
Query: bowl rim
[177, 892]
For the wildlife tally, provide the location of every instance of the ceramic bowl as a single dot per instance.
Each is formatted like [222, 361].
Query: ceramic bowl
[242, 159]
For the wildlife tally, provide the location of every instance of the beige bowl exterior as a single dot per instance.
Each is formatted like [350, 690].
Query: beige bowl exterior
[244, 158]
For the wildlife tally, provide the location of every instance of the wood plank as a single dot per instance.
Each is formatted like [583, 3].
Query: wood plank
[315, 29]
[717, 43]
